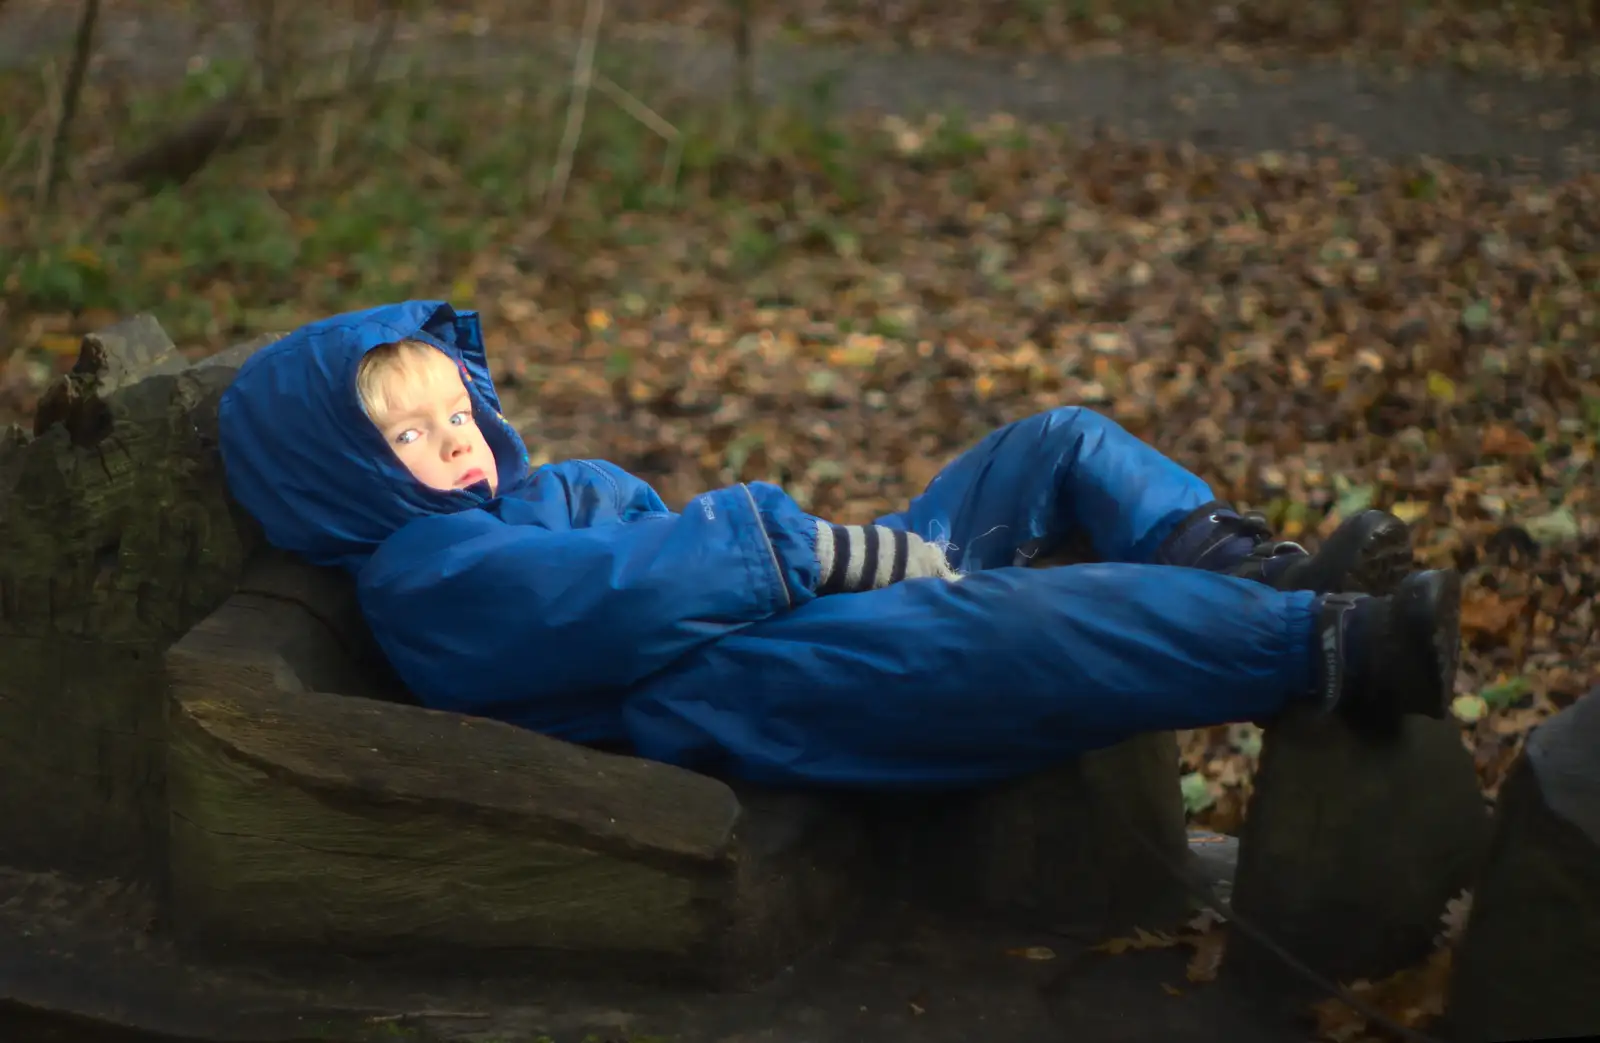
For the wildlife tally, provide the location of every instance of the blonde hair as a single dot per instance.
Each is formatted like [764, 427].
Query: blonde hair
[395, 377]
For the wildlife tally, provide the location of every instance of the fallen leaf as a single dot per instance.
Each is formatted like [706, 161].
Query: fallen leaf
[1499, 696]
[1486, 613]
[1141, 940]
[1197, 795]
[1409, 511]
[60, 344]
[1500, 440]
[1441, 388]
[1033, 952]
[1557, 527]
[1209, 949]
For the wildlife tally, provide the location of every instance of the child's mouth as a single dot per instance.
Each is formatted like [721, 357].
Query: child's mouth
[472, 477]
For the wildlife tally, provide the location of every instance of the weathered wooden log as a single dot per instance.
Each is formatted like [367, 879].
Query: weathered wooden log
[116, 535]
[1528, 965]
[312, 811]
[1091, 845]
[1068, 848]
[1352, 846]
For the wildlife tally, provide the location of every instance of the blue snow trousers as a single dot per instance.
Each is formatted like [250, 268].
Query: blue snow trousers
[927, 685]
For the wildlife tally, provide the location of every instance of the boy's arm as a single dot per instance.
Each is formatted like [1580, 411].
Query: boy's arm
[479, 616]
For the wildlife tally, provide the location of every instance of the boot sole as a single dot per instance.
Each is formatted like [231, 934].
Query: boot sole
[1385, 558]
[1369, 554]
[1432, 603]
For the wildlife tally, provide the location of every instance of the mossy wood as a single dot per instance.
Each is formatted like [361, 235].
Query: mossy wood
[1528, 966]
[116, 536]
[1352, 846]
[310, 808]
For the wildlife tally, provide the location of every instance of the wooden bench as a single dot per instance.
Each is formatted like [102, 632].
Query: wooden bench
[312, 806]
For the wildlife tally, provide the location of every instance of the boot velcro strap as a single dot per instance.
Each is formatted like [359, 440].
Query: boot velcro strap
[1331, 671]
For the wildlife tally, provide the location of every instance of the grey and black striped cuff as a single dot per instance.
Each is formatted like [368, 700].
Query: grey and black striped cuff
[860, 557]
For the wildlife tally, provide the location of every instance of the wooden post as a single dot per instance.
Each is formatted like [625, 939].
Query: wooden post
[1529, 962]
[116, 536]
[1352, 846]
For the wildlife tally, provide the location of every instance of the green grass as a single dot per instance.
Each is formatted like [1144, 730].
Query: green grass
[396, 195]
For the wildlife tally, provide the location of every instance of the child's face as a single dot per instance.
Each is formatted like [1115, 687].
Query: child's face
[433, 432]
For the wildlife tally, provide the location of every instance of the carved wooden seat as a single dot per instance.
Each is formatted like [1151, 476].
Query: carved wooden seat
[313, 807]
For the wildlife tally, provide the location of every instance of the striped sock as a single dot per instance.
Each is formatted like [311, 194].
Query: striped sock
[860, 557]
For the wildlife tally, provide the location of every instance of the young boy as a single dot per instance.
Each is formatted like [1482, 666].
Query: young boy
[745, 637]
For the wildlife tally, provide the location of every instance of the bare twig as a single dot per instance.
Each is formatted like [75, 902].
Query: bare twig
[50, 112]
[380, 44]
[652, 119]
[577, 106]
[268, 46]
[242, 117]
[56, 149]
[744, 75]
[34, 125]
[427, 1015]
[329, 125]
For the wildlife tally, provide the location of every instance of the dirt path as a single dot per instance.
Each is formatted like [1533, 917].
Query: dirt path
[1550, 128]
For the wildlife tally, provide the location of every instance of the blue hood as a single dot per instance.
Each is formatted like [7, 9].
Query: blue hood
[302, 456]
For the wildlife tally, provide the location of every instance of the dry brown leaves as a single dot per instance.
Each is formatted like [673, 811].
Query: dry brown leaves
[1204, 936]
[1413, 997]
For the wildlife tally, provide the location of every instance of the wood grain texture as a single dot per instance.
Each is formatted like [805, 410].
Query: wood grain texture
[116, 535]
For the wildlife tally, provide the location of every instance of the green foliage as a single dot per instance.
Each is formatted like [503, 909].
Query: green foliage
[397, 194]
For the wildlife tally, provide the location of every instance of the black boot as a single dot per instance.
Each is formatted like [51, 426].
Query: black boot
[1383, 657]
[1369, 553]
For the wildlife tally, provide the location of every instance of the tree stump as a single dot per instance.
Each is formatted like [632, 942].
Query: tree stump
[1529, 962]
[1058, 848]
[1352, 847]
[313, 809]
[116, 535]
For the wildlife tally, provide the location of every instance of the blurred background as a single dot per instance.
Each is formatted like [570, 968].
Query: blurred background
[1327, 253]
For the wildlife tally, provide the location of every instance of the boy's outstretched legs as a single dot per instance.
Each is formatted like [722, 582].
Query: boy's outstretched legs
[1074, 475]
[930, 684]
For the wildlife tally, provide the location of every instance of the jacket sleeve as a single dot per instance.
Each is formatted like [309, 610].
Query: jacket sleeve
[549, 626]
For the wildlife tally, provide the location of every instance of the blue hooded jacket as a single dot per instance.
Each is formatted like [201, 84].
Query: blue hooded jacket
[574, 602]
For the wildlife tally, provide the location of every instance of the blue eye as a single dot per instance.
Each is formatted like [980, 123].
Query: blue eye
[463, 417]
[408, 436]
